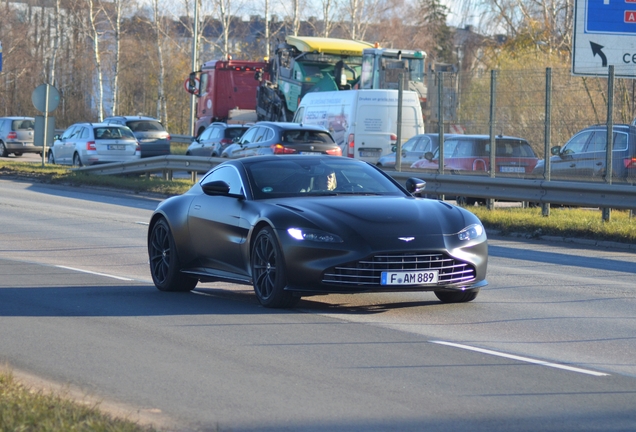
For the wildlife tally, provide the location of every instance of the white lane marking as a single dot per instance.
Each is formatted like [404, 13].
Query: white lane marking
[94, 273]
[523, 359]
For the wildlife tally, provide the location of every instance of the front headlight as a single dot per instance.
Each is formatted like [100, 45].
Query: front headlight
[313, 235]
[471, 232]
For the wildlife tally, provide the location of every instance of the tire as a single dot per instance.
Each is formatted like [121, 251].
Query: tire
[457, 296]
[268, 272]
[17, 154]
[77, 161]
[164, 261]
[3, 150]
[51, 159]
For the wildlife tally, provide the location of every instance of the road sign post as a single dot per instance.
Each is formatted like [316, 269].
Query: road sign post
[45, 98]
[604, 34]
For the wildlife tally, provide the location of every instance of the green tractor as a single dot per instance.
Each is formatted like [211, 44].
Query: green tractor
[307, 64]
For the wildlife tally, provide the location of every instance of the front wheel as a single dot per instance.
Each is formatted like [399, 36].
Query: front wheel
[268, 272]
[51, 158]
[164, 261]
[457, 296]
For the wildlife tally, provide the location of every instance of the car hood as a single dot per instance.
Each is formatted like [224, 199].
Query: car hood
[381, 222]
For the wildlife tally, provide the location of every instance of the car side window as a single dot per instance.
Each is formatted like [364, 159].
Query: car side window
[82, 133]
[423, 145]
[577, 143]
[229, 175]
[410, 144]
[68, 132]
[597, 142]
[620, 141]
[268, 135]
[250, 136]
[206, 134]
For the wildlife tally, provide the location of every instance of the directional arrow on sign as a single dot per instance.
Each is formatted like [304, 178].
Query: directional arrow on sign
[598, 50]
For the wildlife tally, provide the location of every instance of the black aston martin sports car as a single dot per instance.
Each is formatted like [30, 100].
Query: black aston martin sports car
[294, 226]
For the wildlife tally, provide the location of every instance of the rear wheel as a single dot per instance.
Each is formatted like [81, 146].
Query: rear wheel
[76, 160]
[268, 272]
[164, 261]
[17, 154]
[3, 150]
[457, 296]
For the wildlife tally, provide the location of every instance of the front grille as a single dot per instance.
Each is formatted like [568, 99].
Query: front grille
[367, 272]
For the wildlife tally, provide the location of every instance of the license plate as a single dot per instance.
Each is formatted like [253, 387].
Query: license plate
[370, 153]
[116, 147]
[310, 153]
[417, 277]
[512, 169]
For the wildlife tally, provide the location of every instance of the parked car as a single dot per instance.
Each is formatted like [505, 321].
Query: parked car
[584, 155]
[413, 150]
[472, 153]
[150, 132]
[215, 138]
[266, 138]
[253, 221]
[94, 143]
[16, 136]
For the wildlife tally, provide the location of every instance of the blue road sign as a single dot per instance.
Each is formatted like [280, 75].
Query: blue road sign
[610, 16]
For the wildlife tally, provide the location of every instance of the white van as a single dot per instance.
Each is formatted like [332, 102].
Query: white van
[363, 122]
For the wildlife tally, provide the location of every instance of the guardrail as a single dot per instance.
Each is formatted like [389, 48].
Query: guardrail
[616, 196]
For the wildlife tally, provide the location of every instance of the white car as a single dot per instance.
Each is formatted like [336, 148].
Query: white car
[94, 143]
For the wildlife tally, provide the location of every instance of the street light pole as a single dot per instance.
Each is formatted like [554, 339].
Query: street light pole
[195, 50]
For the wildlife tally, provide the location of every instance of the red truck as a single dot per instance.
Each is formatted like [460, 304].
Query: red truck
[225, 87]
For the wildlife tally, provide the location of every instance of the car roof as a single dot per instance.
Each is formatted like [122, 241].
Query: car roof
[16, 118]
[100, 124]
[484, 136]
[284, 125]
[133, 117]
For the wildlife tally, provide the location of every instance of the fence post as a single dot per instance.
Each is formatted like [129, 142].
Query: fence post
[490, 202]
[440, 123]
[610, 136]
[545, 207]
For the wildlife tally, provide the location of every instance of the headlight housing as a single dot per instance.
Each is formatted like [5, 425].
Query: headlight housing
[471, 232]
[303, 234]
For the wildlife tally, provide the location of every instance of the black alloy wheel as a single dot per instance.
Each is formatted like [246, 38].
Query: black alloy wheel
[268, 272]
[3, 150]
[164, 262]
[51, 158]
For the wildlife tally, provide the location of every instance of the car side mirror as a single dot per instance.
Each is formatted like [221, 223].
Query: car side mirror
[415, 186]
[556, 150]
[429, 156]
[56, 137]
[217, 187]
[393, 148]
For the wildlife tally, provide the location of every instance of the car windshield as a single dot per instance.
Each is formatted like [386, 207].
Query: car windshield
[113, 132]
[145, 126]
[305, 136]
[304, 177]
[232, 133]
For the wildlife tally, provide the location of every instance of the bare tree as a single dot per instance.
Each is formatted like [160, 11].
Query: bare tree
[545, 22]
[360, 14]
[94, 11]
[162, 109]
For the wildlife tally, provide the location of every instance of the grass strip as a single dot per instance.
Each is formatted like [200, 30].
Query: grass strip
[23, 409]
[563, 222]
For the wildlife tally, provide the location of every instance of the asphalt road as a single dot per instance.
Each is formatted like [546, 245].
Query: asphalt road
[548, 345]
